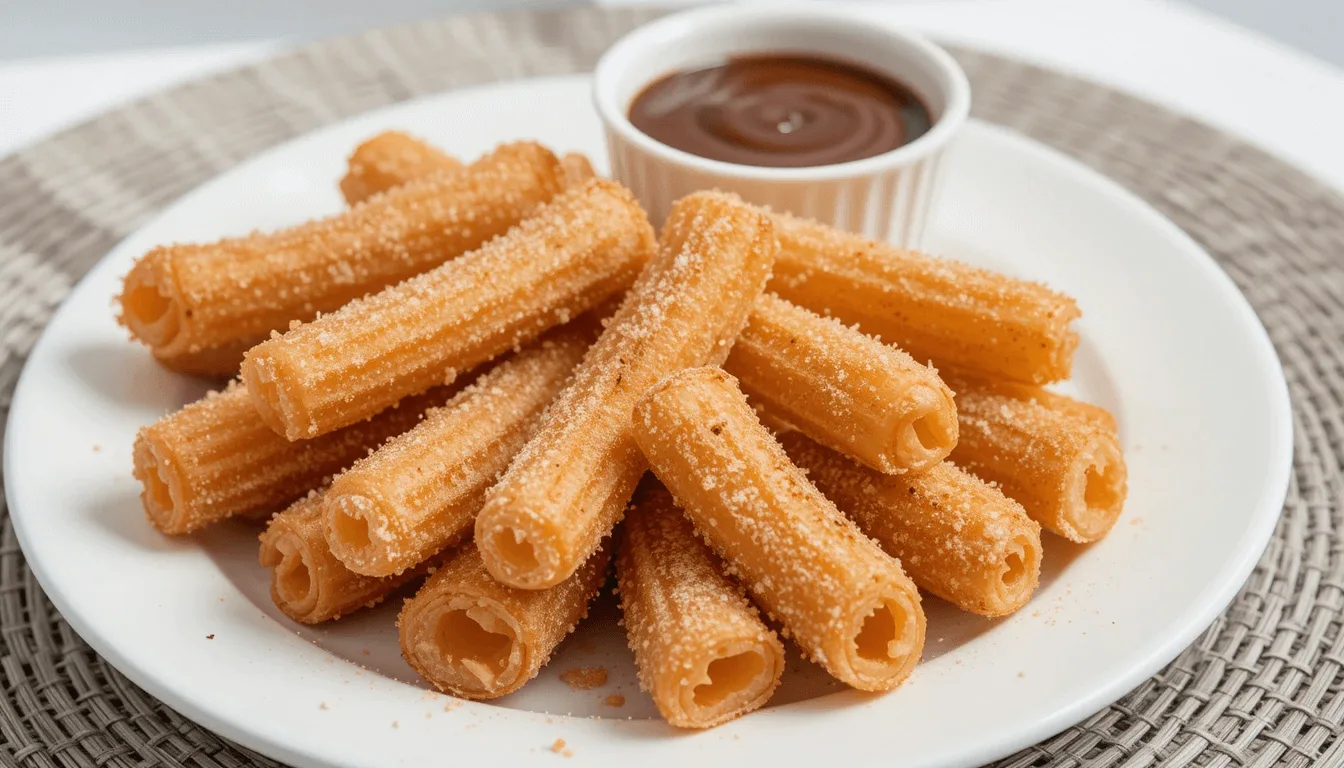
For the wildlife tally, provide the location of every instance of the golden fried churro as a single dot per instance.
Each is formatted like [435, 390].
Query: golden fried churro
[956, 536]
[702, 650]
[392, 159]
[960, 317]
[473, 637]
[843, 388]
[215, 458]
[577, 168]
[185, 299]
[570, 484]
[307, 582]
[1061, 459]
[583, 247]
[420, 491]
[389, 160]
[847, 604]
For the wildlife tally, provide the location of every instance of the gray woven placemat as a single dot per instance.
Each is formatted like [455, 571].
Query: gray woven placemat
[1263, 686]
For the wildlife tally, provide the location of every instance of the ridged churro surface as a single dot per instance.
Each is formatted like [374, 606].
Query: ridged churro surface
[570, 484]
[1058, 457]
[846, 603]
[421, 490]
[183, 299]
[703, 653]
[473, 637]
[307, 582]
[958, 316]
[215, 458]
[956, 536]
[583, 247]
[843, 388]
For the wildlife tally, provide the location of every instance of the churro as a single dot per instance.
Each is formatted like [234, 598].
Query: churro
[215, 458]
[577, 168]
[703, 653]
[1061, 459]
[473, 637]
[958, 316]
[307, 582]
[957, 536]
[420, 491]
[185, 299]
[586, 245]
[392, 159]
[961, 317]
[389, 160]
[843, 388]
[569, 486]
[848, 604]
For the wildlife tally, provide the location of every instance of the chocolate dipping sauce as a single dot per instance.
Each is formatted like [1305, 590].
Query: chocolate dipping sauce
[780, 111]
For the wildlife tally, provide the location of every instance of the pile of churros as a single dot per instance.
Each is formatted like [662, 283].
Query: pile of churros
[494, 380]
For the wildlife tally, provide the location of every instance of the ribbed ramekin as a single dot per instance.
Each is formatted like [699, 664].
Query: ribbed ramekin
[888, 196]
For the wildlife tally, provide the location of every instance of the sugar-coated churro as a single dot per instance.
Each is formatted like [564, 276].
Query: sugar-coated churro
[215, 458]
[703, 653]
[577, 168]
[392, 159]
[848, 604]
[843, 388]
[473, 637]
[1060, 458]
[307, 582]
[957, 536]
[586, 245]
[420, 491]
[570, 484]
[186, 299]
[389, 160]
[960, 317]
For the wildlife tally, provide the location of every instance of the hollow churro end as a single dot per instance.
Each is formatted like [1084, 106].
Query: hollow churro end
[1018, 575]
[293, 587]
[307, 582]
[700, 646]
[1096, 487]
[926, 433]
[887, 638]
[160, 488]
[733, 680]
[1058, 457]
[471, 636]
[358, 531]
[467, 646]
[521, 550]
[847, 604]
[148, 308]
[282, 413]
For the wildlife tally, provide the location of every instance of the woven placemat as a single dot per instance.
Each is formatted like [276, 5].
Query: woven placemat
[1263, 686]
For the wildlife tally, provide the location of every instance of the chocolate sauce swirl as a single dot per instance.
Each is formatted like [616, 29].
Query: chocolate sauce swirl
[780, 111]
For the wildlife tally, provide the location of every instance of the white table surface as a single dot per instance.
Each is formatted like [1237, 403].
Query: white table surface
[1273, 96]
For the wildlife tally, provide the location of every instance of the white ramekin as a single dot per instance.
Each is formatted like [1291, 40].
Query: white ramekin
[887, 196]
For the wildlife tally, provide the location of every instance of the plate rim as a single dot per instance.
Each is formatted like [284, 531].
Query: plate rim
[1194, 621]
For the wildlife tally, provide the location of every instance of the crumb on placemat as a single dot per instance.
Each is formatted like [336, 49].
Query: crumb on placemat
[615, 700]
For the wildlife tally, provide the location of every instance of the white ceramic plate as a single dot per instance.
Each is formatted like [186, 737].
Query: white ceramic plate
[1168, 344]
